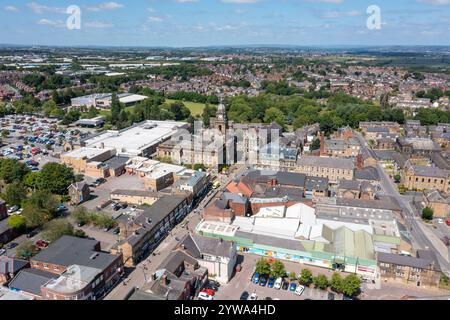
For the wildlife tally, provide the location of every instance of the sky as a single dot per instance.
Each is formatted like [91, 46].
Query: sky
[197, 23]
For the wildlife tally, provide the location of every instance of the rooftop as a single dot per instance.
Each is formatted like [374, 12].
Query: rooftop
[134, 140]
[338, 163]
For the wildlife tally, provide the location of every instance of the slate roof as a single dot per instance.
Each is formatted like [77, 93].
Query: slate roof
[11, 265]
[214, 246]
[69, 250]
[404, 260]
[31, 280]
[338, 163]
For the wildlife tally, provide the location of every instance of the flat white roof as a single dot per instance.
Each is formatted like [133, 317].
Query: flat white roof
[86, 152]
[132, 98]
[135, 140]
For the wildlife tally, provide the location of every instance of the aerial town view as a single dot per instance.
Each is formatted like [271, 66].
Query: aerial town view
[225, 150]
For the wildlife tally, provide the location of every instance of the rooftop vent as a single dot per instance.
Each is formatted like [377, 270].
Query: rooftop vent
[93, 256]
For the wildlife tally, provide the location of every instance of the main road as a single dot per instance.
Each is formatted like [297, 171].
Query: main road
[415, 226]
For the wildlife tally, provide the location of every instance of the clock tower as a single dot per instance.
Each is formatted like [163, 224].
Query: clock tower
[221, 121]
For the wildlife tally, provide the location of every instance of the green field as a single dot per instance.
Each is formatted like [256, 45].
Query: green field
[196, 108]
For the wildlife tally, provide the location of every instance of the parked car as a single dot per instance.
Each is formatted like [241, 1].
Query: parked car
[440, 221]
[205, 296]
[253, 297]
[41, 244]
[214, 285]
[209, 292]
[31, 234]
[330, 296]
[256, 277]
[11, 245]
[447, 222]
[271, 282]
[278, 283]
[13, 209]
[285, 286]
[299, 291]
[263, 281]
[292, 287]
[244, 296]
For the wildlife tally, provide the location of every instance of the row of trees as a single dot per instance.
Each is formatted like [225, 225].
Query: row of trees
[82, 216]
[350, 285]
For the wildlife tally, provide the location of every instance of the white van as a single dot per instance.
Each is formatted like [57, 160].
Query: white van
[278, 283]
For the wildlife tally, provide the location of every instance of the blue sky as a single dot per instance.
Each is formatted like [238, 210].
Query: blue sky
[179, 23]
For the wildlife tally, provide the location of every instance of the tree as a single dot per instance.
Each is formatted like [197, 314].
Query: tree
[17, 223]
[292, 276]
[30, 180]
[26, 250]
[274, 115]
[315, 145]
[397, 178]
[337, 282]
[306, 277]
[55, 229]
[15, 193]
[351, 285]
[278, 270]
[427, 214]
[5, 134]
[263, 266]
[39, 208]
[115, 109]
[55, 178]
[12, 170]
[81, 215]
[321, 282]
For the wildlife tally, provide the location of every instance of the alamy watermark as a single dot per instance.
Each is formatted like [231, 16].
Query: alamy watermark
[374, 20]
[73, 22]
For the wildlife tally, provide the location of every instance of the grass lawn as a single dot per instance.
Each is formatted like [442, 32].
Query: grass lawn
[196, 108]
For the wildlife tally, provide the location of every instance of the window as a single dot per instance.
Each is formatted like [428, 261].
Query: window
[45, 266]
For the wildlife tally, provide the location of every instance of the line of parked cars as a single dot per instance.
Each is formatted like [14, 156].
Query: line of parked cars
[278, 284]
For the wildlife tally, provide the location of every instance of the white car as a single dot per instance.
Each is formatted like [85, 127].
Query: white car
[204, 296]
[299, 291]
[253, 297]
[278, 284]
[440, 221]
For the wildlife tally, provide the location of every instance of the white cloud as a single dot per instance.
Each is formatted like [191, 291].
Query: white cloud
[51, 23]
[339, 14]
[105, 6]
[240, 1]
[12, 9]
[98, 24]
[436, 2]
[155, 19]
[326, 1]
[40, 8]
